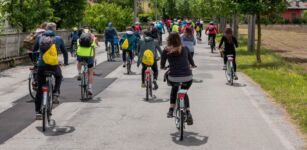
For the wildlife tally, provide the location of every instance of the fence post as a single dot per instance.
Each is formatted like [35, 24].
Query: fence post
[5, 47]
[18, 52]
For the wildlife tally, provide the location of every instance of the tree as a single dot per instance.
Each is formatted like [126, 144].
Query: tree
[259, 8]
[98, 15]
[68, 13]
[25, 15]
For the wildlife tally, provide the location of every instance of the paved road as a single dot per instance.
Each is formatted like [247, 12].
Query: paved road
[236, 117]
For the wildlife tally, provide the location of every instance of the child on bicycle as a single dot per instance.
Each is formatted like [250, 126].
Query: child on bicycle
[148, 43]
[230, 44]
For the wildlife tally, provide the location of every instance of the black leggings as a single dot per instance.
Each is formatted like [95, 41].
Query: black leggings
[234, 60]
[175, 88]
[42, 80]
[154, 68]
[130, 53]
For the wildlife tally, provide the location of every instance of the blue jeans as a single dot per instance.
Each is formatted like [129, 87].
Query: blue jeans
[112, 45]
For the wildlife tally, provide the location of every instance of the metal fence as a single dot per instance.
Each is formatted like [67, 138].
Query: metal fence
[11, 44]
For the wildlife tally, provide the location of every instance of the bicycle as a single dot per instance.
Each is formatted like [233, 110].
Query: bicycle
[229, 72]
[84, 82]
[116, 46]
[181, 108]
[148, 82]
[211, 43]
[47, 104]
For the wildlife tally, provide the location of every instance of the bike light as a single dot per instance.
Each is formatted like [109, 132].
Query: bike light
[45, 89]
[147, 72]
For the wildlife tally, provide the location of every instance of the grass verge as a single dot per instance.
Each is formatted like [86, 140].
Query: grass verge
[286, 82]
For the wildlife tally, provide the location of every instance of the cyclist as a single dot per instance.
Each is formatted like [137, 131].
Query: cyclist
[154, 31]
[160, 28]
[149, 43]
[230, 44]
[188, 40]
[179, 60]
[132, 41]
[42, 44]
[109, 33]
[74, 37]
[137, 27]
[175, 27]
[211, 30]
[198, 29]
[86, 53]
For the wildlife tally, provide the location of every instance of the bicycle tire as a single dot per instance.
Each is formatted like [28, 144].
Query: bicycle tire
[150, 85]
[232, 76]
[82, 87]
[44, 117]
[128, 67]
[211, 46]
[50, 100]
[147, 90]
[31, 90]
[181, 125]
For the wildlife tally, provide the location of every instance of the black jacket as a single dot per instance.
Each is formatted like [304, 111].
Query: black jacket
[229, 47]
[179, 64]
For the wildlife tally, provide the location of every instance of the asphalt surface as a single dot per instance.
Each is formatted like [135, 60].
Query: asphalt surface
[239, 117]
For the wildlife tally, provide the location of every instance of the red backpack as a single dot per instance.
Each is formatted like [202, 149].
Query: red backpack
[138, 28]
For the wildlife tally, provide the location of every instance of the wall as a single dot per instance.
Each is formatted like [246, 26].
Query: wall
[11, 44]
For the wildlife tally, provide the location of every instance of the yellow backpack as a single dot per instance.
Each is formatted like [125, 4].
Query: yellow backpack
[148, 57]
[125, 44]
[50, 57]
[197, 28]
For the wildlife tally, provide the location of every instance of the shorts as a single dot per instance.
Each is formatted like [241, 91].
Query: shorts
[88, 59]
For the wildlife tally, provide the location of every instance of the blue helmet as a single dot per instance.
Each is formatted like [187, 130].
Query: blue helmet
[110, 24]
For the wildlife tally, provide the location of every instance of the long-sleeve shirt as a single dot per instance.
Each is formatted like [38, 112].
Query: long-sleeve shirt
[229, 47]
[189, 42]
[179, 64]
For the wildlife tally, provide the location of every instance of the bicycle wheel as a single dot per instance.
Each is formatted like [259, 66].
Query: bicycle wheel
[44, 121]
[181, 124]
[50, 102]
[231, 76]
[128, 67]
[31, 88]
[150, 86]
[109, 52]
[212, 48]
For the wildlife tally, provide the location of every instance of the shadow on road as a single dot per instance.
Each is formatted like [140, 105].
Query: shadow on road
[237, 85]
[190, 139]
[54, 130]
[156, 100]
[95, 100]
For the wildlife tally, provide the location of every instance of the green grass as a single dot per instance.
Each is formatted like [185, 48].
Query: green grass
[286, 82]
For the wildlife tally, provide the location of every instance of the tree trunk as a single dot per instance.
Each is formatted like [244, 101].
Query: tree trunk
[222, 24]
[259, 39]
[251, 33]
[235, 25]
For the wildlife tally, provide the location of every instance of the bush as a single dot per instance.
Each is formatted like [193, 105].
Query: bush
[98, 15]
[297, 21]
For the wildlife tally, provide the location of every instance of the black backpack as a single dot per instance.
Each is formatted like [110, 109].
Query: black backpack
[86, 40]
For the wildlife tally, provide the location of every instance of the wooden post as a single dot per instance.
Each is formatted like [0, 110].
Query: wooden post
[251, 33]
[235, 25]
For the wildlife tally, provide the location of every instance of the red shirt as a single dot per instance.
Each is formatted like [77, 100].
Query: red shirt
[212, 29]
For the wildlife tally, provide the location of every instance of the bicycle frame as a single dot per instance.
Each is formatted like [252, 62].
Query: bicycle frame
[229, 70]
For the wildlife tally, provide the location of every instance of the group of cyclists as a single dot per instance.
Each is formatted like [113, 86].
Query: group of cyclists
[178, 52]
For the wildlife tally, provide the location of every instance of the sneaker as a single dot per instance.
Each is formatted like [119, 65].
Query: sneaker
[38, 116]
[56, 98]
[143, 85]
[189, 118]
[224, 67]
[90, 92]
[155, 85]
[170, 113]
[79, 77]
[236, 77]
